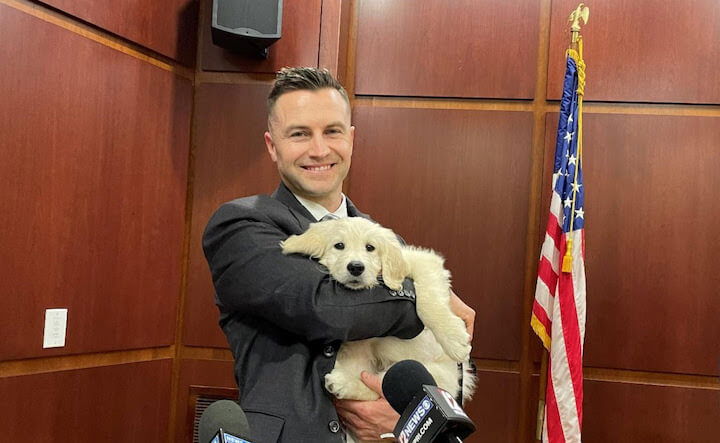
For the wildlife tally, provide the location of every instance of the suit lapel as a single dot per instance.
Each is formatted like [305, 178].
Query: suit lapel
[302, 215]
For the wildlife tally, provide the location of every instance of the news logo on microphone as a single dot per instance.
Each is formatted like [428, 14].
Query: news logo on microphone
[413, 423]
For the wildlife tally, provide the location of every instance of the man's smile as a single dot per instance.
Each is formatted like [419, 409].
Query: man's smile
[318, 168]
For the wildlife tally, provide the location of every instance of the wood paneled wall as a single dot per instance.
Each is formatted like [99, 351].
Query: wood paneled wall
[230, 161]
[96, 154]
[168, 27]
[95, 120]
[125, 402]
[116, 153]
[432, 48]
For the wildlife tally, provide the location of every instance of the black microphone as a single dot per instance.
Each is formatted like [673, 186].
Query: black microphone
[427, 413]
[223, 422]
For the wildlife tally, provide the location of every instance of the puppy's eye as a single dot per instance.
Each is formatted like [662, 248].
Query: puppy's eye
[369, 248]
[339, 245]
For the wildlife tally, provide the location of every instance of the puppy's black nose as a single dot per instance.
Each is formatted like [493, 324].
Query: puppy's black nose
[355, 268]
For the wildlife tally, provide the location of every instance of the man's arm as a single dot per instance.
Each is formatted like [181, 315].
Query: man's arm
[252, 276]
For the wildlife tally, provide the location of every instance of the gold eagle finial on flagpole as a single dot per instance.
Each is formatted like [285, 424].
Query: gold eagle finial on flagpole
[582, 12]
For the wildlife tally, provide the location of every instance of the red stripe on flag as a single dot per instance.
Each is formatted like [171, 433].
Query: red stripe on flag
[541, 315]
[571, 332]
[554, 230]
[547, 275]
[554, 427]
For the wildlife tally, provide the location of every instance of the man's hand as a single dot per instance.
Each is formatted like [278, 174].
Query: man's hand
[368, 420]
[465, 312]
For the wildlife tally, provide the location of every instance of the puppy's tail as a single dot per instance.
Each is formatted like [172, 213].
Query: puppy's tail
[468, 381]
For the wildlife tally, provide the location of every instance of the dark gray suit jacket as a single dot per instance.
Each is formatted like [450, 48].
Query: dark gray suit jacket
[284, 318]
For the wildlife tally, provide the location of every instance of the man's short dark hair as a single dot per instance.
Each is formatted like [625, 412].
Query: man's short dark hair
[299, 79]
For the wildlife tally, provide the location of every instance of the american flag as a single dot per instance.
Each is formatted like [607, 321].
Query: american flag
[558, 315]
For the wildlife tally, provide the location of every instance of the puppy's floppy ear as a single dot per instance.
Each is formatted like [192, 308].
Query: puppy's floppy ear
[312, 242]
[394, 267]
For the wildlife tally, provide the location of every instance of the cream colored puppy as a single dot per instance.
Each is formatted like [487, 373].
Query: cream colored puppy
[356, 252]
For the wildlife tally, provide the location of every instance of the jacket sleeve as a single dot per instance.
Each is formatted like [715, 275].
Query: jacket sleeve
[295, 293]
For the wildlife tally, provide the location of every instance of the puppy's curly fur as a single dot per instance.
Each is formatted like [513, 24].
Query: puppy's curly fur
[356, 252]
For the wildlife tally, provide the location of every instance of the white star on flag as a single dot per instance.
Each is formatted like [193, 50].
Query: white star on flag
[579, 213]
[576, 187]
[572, 160]
[568, 136]
[568, 202]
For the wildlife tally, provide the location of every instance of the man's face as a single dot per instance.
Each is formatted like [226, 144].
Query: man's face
[311, 141]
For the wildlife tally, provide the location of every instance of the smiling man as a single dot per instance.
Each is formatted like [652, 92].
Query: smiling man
[310, 138]
[284, 317]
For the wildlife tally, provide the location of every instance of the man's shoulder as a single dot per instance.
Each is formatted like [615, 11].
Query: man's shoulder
[259, 201]
[255, 206]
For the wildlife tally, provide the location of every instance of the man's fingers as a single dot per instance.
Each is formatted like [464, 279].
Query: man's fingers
[367, 419]
[350, 418]
[372, 381]
[347, 405]
[470, 324]
[465, 312]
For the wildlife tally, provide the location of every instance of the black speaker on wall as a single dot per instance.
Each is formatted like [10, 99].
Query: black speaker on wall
[247, 27]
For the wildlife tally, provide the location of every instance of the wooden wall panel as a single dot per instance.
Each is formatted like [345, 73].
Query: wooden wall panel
[166, 26]
[652, 238]
[127, 402]
[94, 148]
[456, 181]
[299, 45]
[198, 373]
[642, 51]
[465, 48]
[494, 408]
[630, 413]
[230, 162]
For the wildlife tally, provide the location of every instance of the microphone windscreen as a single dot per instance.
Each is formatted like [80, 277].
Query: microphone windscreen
[225, 414]
[403, 381]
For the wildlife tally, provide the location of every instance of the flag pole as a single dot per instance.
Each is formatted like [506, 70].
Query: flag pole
[582, 12]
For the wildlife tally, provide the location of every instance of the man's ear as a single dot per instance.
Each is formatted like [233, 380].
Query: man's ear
[312, 242]
[394, 266]
[352, 138]
[270, 146]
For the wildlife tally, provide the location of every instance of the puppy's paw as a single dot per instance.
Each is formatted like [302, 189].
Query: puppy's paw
[456, 351]
[348, 387]
[455, 341]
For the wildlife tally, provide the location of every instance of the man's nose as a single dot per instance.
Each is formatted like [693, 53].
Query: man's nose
[318, 147]
[355, 268]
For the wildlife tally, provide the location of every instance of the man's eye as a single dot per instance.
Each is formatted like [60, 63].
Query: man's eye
[339, 245]
[370, 248]
[297, 134]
